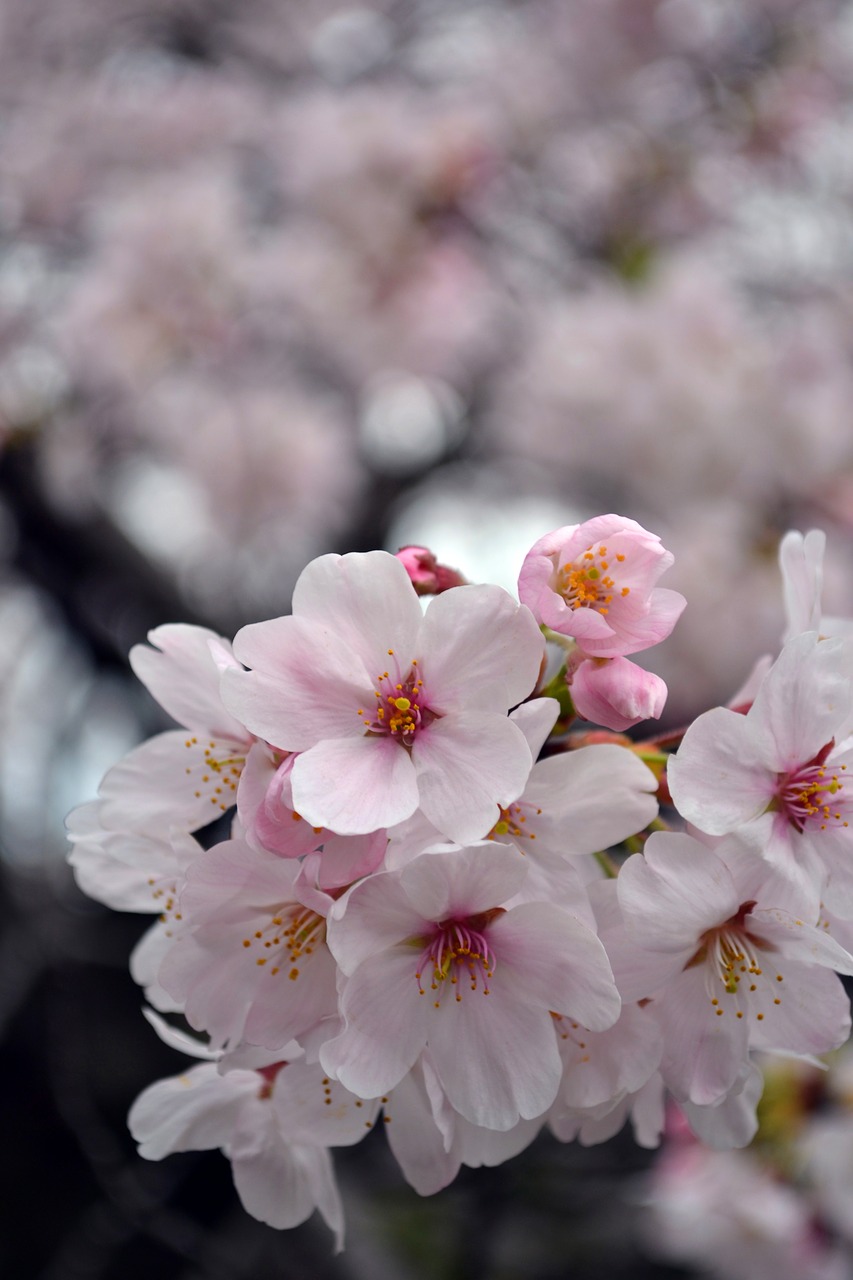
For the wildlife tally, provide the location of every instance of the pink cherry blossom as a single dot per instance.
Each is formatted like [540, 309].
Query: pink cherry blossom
[391, 709]
[596, 582]
[275, 1124]
[728, 1214]
[711, 937]
[180, 778]
[779, 772]
[251, 961]
[434, 959]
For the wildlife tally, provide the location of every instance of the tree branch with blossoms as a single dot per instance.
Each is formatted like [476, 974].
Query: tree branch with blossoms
[447, 906]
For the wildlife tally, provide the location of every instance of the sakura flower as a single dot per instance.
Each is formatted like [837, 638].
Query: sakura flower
[391, 709]
[596, 582]
[275, 1124]
[725, 1212]
[779, 772]
[251, 961]
[710, 935]
[181, 777]
[433, 959]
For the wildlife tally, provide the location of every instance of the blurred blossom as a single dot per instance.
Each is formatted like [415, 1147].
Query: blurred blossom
[409, 424]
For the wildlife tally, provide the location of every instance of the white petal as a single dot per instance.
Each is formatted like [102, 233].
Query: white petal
[468, 765]
[367, 600]
[355, 785]
[479, 648]
[183, 673]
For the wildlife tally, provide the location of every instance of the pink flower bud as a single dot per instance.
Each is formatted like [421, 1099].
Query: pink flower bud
[616, 693]
[429, 578]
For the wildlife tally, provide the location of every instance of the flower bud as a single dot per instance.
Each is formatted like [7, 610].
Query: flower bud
[616, 693]
[429, 578]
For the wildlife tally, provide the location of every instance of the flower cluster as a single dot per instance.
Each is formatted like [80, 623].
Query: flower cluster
[377, 848]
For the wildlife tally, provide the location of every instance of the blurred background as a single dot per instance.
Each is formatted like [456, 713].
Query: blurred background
[286, 277]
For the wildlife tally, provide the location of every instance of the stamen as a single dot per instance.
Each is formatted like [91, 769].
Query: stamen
[458, 949]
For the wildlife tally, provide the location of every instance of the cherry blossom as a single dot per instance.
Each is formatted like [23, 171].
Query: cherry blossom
[596, 582]
[276, 1125]
[779, 772]
[710, 935]
[181, 777]
[615, 692]
[391, 709]
[251, 960]
[434, 959]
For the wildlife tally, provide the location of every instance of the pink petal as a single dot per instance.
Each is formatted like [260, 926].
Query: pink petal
[556, 963]
[467, 765]
[306, 684]
[723, 774]
[479, 648]
[591, 798]
[536, 719]
[355, 785]
[386, 1024]
[673, 892]
[367, 600]
[463, 883]
[496, 1057]
[183, 674]
[377, 914]
[804, 699]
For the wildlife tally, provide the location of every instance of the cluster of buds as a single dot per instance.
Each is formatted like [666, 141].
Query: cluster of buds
[394, 884]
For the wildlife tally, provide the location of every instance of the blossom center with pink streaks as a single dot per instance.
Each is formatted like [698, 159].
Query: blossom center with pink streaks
[814, 794]
[458, 952]
[586, 582]
[288, 940]
[400, 710]
[517, 821]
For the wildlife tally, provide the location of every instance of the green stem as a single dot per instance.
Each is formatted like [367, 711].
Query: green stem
[608, 866]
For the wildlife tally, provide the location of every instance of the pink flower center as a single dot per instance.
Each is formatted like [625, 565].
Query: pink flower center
[288, 941]
[813, 794]
[399, 711]
[586, 583]
[458, 952]
[515, 821]
[268, 1076]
